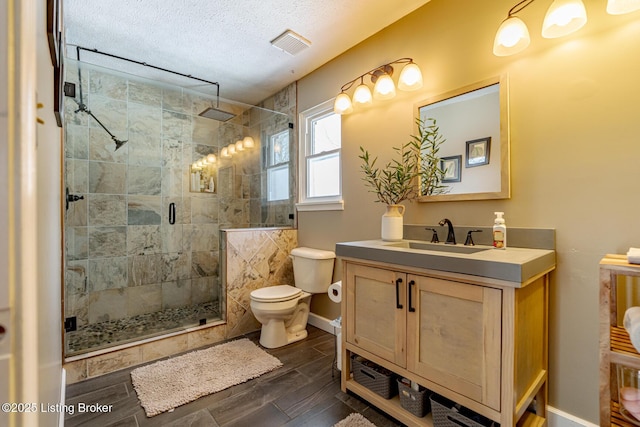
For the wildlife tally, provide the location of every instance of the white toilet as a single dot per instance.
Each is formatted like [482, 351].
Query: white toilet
[283, 310]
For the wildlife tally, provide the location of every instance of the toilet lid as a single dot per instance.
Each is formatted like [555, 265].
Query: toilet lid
[275, 293]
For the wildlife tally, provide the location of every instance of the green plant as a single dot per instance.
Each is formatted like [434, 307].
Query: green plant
[398, 180]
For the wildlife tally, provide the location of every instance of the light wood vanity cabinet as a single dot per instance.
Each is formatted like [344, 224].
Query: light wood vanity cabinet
[479, 342]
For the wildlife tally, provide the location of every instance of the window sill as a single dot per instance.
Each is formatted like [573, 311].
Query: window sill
[320, 206]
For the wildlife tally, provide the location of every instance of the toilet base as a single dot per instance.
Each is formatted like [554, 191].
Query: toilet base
[274, 334]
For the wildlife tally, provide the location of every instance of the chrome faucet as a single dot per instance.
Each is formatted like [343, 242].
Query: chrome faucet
[451, 236]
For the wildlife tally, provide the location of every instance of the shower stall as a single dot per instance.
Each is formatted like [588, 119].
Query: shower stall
[141, 238]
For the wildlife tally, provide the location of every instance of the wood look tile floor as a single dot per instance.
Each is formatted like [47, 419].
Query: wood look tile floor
[304, 392]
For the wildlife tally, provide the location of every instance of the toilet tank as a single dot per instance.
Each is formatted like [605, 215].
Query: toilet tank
[312, 269]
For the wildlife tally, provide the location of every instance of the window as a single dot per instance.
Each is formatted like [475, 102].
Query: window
[320, 165]
[278, 167]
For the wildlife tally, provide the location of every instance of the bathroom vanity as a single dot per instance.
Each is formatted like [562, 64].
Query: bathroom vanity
[468, 323]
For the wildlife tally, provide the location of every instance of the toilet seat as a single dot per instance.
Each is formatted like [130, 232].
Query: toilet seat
[276, 293]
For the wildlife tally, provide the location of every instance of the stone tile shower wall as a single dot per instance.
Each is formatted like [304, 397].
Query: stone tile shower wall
[123, 258]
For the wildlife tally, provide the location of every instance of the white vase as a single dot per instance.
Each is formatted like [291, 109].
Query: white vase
[392, 223]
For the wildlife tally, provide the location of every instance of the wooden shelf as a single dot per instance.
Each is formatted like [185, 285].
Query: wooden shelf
[391, 406]
[615, 345]
[617, 419]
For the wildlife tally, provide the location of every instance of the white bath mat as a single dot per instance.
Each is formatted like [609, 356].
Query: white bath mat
[167, 384]
[355, 420]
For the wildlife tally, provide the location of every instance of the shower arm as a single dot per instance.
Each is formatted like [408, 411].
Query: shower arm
[83, 107]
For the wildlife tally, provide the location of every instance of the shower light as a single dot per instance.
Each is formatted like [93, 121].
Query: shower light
[248, 142]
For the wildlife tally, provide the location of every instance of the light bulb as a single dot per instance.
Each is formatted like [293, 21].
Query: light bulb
[410, 77]
[342, 104]
[384, 88]
[211, 158]
[200, 163]
[194, 166]
[512, 37]
[231, 149]
[563, 17]
[225, 153]
[239, 146]
[362, 95]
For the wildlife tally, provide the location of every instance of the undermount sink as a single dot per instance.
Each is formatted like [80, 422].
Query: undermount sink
[441, 247]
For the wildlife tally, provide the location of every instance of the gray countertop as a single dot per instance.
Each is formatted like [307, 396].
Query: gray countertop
[510, 264]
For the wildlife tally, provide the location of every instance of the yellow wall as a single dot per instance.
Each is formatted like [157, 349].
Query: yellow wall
[575, 147]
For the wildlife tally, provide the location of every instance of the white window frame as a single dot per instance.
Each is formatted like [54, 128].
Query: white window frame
[306, 203]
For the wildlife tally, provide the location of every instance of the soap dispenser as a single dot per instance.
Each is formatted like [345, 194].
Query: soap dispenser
[499, 232]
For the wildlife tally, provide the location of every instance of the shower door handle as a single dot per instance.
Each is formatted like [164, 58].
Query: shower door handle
[172, 213]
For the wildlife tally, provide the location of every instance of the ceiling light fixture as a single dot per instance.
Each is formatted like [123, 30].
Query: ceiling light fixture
[562, 18]
[384, 88]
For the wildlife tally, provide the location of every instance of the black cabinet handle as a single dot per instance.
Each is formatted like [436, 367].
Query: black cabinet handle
[172, 213]
[411, 308]
[398, 305]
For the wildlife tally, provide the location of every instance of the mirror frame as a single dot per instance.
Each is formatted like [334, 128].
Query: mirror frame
[505, 141]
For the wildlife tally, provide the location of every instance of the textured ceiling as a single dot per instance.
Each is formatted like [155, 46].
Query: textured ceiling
[225, 41]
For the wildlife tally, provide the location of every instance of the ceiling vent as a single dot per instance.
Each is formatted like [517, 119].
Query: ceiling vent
[290, 42]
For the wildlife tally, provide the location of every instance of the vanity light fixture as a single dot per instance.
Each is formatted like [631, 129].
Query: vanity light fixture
[384, 88]
[231, 149]
[620, 7]
[562, 18]
[211, 159]
[224, 153]
[239, 146]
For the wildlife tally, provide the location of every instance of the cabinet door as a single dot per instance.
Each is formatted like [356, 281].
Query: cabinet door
[454, 336]
[376, 319]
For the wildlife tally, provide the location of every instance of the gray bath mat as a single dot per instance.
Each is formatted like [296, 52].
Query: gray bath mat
[167, 384]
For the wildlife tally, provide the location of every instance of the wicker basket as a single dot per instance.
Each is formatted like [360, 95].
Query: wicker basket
[416, 402]
[449, 414]
[374, 377]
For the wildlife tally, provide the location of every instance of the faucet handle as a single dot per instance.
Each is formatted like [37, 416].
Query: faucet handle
[434, 237]
[469, 241]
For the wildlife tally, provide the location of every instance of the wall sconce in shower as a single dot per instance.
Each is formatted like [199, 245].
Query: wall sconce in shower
[384, 87]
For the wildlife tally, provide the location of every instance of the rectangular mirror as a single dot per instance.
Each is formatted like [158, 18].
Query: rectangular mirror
[474, 122]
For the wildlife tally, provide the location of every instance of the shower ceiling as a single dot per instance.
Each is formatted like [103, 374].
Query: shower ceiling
[226, 41]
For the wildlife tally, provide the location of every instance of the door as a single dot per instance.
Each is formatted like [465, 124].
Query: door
[453, 339]
[376, 311]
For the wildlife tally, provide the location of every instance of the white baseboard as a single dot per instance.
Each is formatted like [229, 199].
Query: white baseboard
[63, 396]
[321, 323]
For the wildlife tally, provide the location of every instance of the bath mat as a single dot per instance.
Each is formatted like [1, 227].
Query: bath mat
[167, 384]
[355, 420]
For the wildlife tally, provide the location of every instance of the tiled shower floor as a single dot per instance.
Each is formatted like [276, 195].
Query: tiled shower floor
[114, 332]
